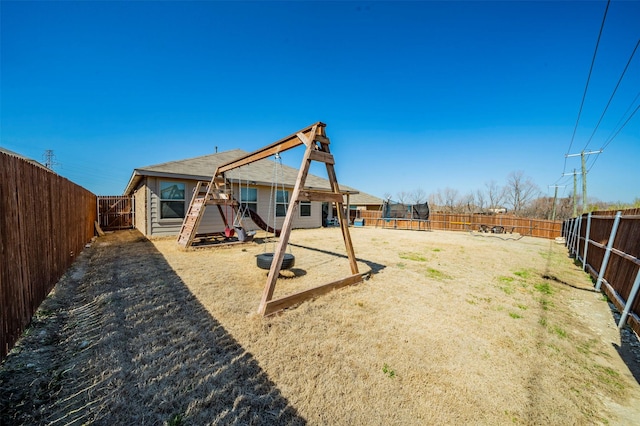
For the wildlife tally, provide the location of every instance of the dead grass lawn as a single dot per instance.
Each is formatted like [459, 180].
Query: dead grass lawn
[451, 329]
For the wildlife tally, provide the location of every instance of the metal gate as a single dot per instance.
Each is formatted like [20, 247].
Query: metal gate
[115, 212]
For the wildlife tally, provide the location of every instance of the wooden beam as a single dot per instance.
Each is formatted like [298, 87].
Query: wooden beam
[285, 232]
[318, 195]
[344, 223]
[303, 139]
[292, 299]
[284, 144]
[323, 157]
[222, 202]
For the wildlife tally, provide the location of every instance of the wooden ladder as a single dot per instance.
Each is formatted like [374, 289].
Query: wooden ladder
[205, 193]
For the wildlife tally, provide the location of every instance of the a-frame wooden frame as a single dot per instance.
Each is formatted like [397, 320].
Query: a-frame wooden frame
[317, 149]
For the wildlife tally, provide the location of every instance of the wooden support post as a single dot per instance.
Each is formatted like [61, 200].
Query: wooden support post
[313, 152]
[285, 233]
[344, 225]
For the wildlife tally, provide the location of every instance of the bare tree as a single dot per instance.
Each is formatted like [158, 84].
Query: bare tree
[418, 196]
[403, 197]
[435, 200]
[450, 198]
[468, 203]
[480, 200]
[540, 208]
[519, 190]
[495, 193]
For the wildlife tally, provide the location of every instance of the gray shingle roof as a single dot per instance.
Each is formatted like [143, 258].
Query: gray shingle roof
[260, 172]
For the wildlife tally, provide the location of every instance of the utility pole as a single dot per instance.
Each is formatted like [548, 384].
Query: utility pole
[555, 197]
[584, 177]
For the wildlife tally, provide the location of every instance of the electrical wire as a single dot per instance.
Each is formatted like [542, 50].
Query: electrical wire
[584, 95]
[612, 95]
[624, 115]
[616, 134]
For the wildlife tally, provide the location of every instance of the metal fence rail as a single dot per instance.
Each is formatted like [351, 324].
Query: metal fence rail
[608, 246]
[45, 222]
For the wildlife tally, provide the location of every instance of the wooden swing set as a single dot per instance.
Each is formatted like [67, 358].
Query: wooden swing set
[317, 149]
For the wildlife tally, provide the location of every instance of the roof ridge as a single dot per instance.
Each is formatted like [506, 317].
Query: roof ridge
[240, 151]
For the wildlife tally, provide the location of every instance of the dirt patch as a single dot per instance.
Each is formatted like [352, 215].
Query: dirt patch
[451, 328]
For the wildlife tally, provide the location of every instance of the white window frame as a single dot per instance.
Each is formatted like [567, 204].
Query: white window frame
[162, 200]
[306, 204]
[253, 205]
[281, 206]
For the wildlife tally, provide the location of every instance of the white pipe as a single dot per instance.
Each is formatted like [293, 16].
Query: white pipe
[607, 253]
[577, 240]
[630, 300]
[574, 227]
[586, 242]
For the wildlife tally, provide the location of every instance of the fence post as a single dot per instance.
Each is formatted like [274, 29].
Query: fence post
[576, 237]
[577, 240]
[572, 235]
[630, 300]
[586, 242]
[607, 254]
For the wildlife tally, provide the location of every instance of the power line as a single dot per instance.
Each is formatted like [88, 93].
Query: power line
[612, 137]
[623, 115]
[584, 95]
[621, 127]
[612, 95]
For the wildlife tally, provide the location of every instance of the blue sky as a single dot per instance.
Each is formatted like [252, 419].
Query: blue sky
[415, 95]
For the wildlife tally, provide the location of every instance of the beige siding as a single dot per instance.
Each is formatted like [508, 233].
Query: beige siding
[160, 226]
[140, 208]
[264, 210]
[212, 221]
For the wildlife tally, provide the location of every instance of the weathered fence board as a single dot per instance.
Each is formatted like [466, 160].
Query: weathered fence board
[468, 222]
[616, 271]
[115, 212]
[45, 221]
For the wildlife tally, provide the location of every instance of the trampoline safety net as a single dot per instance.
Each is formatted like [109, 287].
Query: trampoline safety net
[393, 210]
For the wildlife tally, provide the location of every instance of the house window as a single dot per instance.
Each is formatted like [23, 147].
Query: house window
[282, 201]
[172, 200]
[305, 208]
[249, 197]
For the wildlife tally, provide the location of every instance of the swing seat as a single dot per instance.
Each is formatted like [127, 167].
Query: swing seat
[264, 261]
[243, 235]
[228, 232]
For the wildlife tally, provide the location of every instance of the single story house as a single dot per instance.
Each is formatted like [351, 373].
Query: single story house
[162, 194]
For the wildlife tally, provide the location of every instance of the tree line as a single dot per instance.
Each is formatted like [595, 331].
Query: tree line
[519, 196]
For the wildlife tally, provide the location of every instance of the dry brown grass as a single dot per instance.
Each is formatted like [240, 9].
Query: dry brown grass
[451, 329]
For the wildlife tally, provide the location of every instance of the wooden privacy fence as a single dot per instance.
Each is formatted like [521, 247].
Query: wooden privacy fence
[115, 212]
[608, 246]
[45, 222]
[468, 222]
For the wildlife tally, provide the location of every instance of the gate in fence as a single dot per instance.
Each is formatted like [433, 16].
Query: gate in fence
[115, 212]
